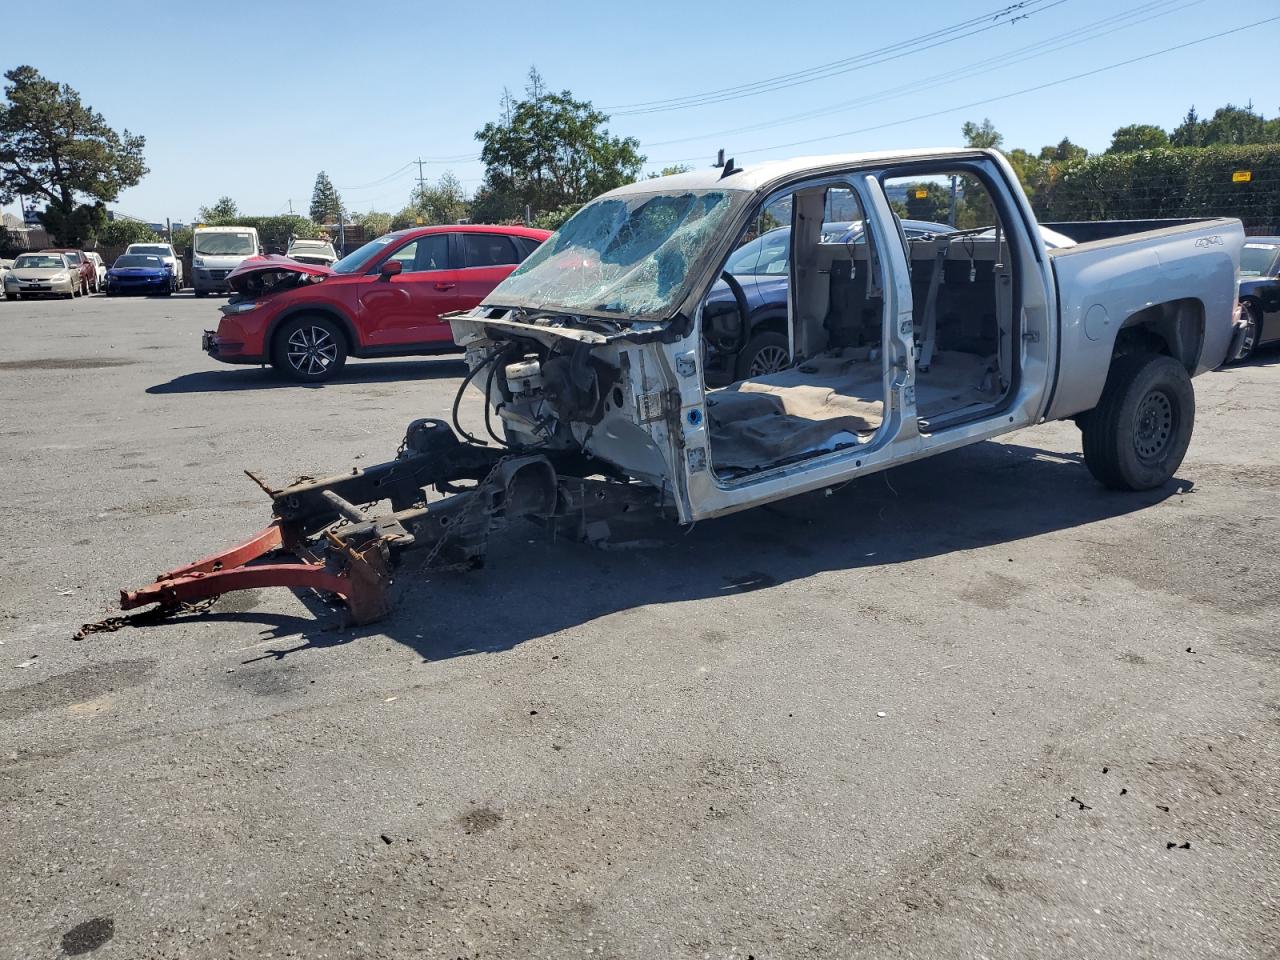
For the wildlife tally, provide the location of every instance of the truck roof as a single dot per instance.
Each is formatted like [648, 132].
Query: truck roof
[223, 229]
[757, 175]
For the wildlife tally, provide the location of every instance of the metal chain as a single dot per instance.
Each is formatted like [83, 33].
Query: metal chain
[143, 618]
[463, 515]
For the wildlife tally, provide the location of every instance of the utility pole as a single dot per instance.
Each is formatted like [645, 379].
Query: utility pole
[951, 210]
[422, 181]
[291, 206]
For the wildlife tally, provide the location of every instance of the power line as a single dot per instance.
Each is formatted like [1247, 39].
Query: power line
[995, 99]
[1009, 14]
[988, 64]
[380, 181]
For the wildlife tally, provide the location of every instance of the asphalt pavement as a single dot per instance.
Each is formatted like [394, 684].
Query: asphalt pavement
[973, 707]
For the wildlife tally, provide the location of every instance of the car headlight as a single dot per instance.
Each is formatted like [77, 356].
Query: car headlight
[233, 308]
[197, 262]
[58, 277]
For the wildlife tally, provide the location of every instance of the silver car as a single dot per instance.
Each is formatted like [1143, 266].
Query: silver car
[41, 275]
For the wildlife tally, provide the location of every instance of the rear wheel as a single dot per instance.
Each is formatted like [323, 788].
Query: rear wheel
[767, 352]
[309, 349]
[1251, 320]
[1139, 432]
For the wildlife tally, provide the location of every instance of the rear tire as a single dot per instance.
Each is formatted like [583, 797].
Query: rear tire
[767, 352]
[1137, 435]
[309, 349]
[1252, 318]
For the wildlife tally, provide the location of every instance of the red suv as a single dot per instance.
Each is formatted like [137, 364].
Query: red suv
[383, 300]
[82, 265]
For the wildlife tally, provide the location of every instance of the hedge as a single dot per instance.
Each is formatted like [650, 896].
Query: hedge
[1172, 182]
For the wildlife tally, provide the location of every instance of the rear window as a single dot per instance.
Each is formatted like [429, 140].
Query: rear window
[526, 245]
[489, 250]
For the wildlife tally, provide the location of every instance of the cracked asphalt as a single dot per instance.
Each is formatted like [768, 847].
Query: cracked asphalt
[974, 707]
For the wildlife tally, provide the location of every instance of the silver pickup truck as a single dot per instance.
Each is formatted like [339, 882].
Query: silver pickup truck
[899, 348]
[590, 358]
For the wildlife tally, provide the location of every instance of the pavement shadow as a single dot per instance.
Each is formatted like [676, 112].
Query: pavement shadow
[263, 378]
[978, 496]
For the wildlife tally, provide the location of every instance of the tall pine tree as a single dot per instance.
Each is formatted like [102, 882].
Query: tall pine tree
[326, 204]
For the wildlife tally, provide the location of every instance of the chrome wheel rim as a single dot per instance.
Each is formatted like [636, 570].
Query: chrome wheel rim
[311, 350]
[1156, 422]
[768, 360]
[1250, 332]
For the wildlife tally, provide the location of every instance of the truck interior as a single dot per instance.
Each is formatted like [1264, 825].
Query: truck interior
[832, 394]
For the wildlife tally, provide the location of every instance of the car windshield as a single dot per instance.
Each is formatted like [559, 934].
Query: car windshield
[632, 256]
[154, 251]
[225, 244]
[138, 260]
[354, 261]
[30, 261]
[1256, 259]
[768, 255]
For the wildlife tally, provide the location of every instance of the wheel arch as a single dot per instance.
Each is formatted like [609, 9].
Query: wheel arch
[326, 311]
[770, 319]
[1174, 328]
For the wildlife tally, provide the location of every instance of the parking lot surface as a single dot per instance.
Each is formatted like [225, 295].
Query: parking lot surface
[974, 707]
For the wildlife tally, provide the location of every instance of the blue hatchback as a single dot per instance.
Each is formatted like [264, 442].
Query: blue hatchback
[140, 273]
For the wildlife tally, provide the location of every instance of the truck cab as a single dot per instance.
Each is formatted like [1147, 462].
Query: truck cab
[215, 252]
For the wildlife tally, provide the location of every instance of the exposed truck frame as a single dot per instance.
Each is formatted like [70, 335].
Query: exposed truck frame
[605, 417]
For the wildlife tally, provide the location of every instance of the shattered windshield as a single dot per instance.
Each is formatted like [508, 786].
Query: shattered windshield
[633, 256]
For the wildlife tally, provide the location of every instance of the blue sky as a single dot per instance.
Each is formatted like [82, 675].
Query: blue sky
[253, 103]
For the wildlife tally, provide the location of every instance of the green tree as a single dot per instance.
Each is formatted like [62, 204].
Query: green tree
[1238, 126]
[549, 151]
[375, 224]
[1229, 126]
[1138, 136]
[121, 232]
[77, 228]
[1064, 151]
[441, 202]
[671, 171]
[54, 147]
[1190, 132]
[554, 219]
[326, 202]
[928, 201]
[223, 209]
[983, 135]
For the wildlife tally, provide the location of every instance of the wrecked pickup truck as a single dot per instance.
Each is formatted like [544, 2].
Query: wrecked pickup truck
[590, 362]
